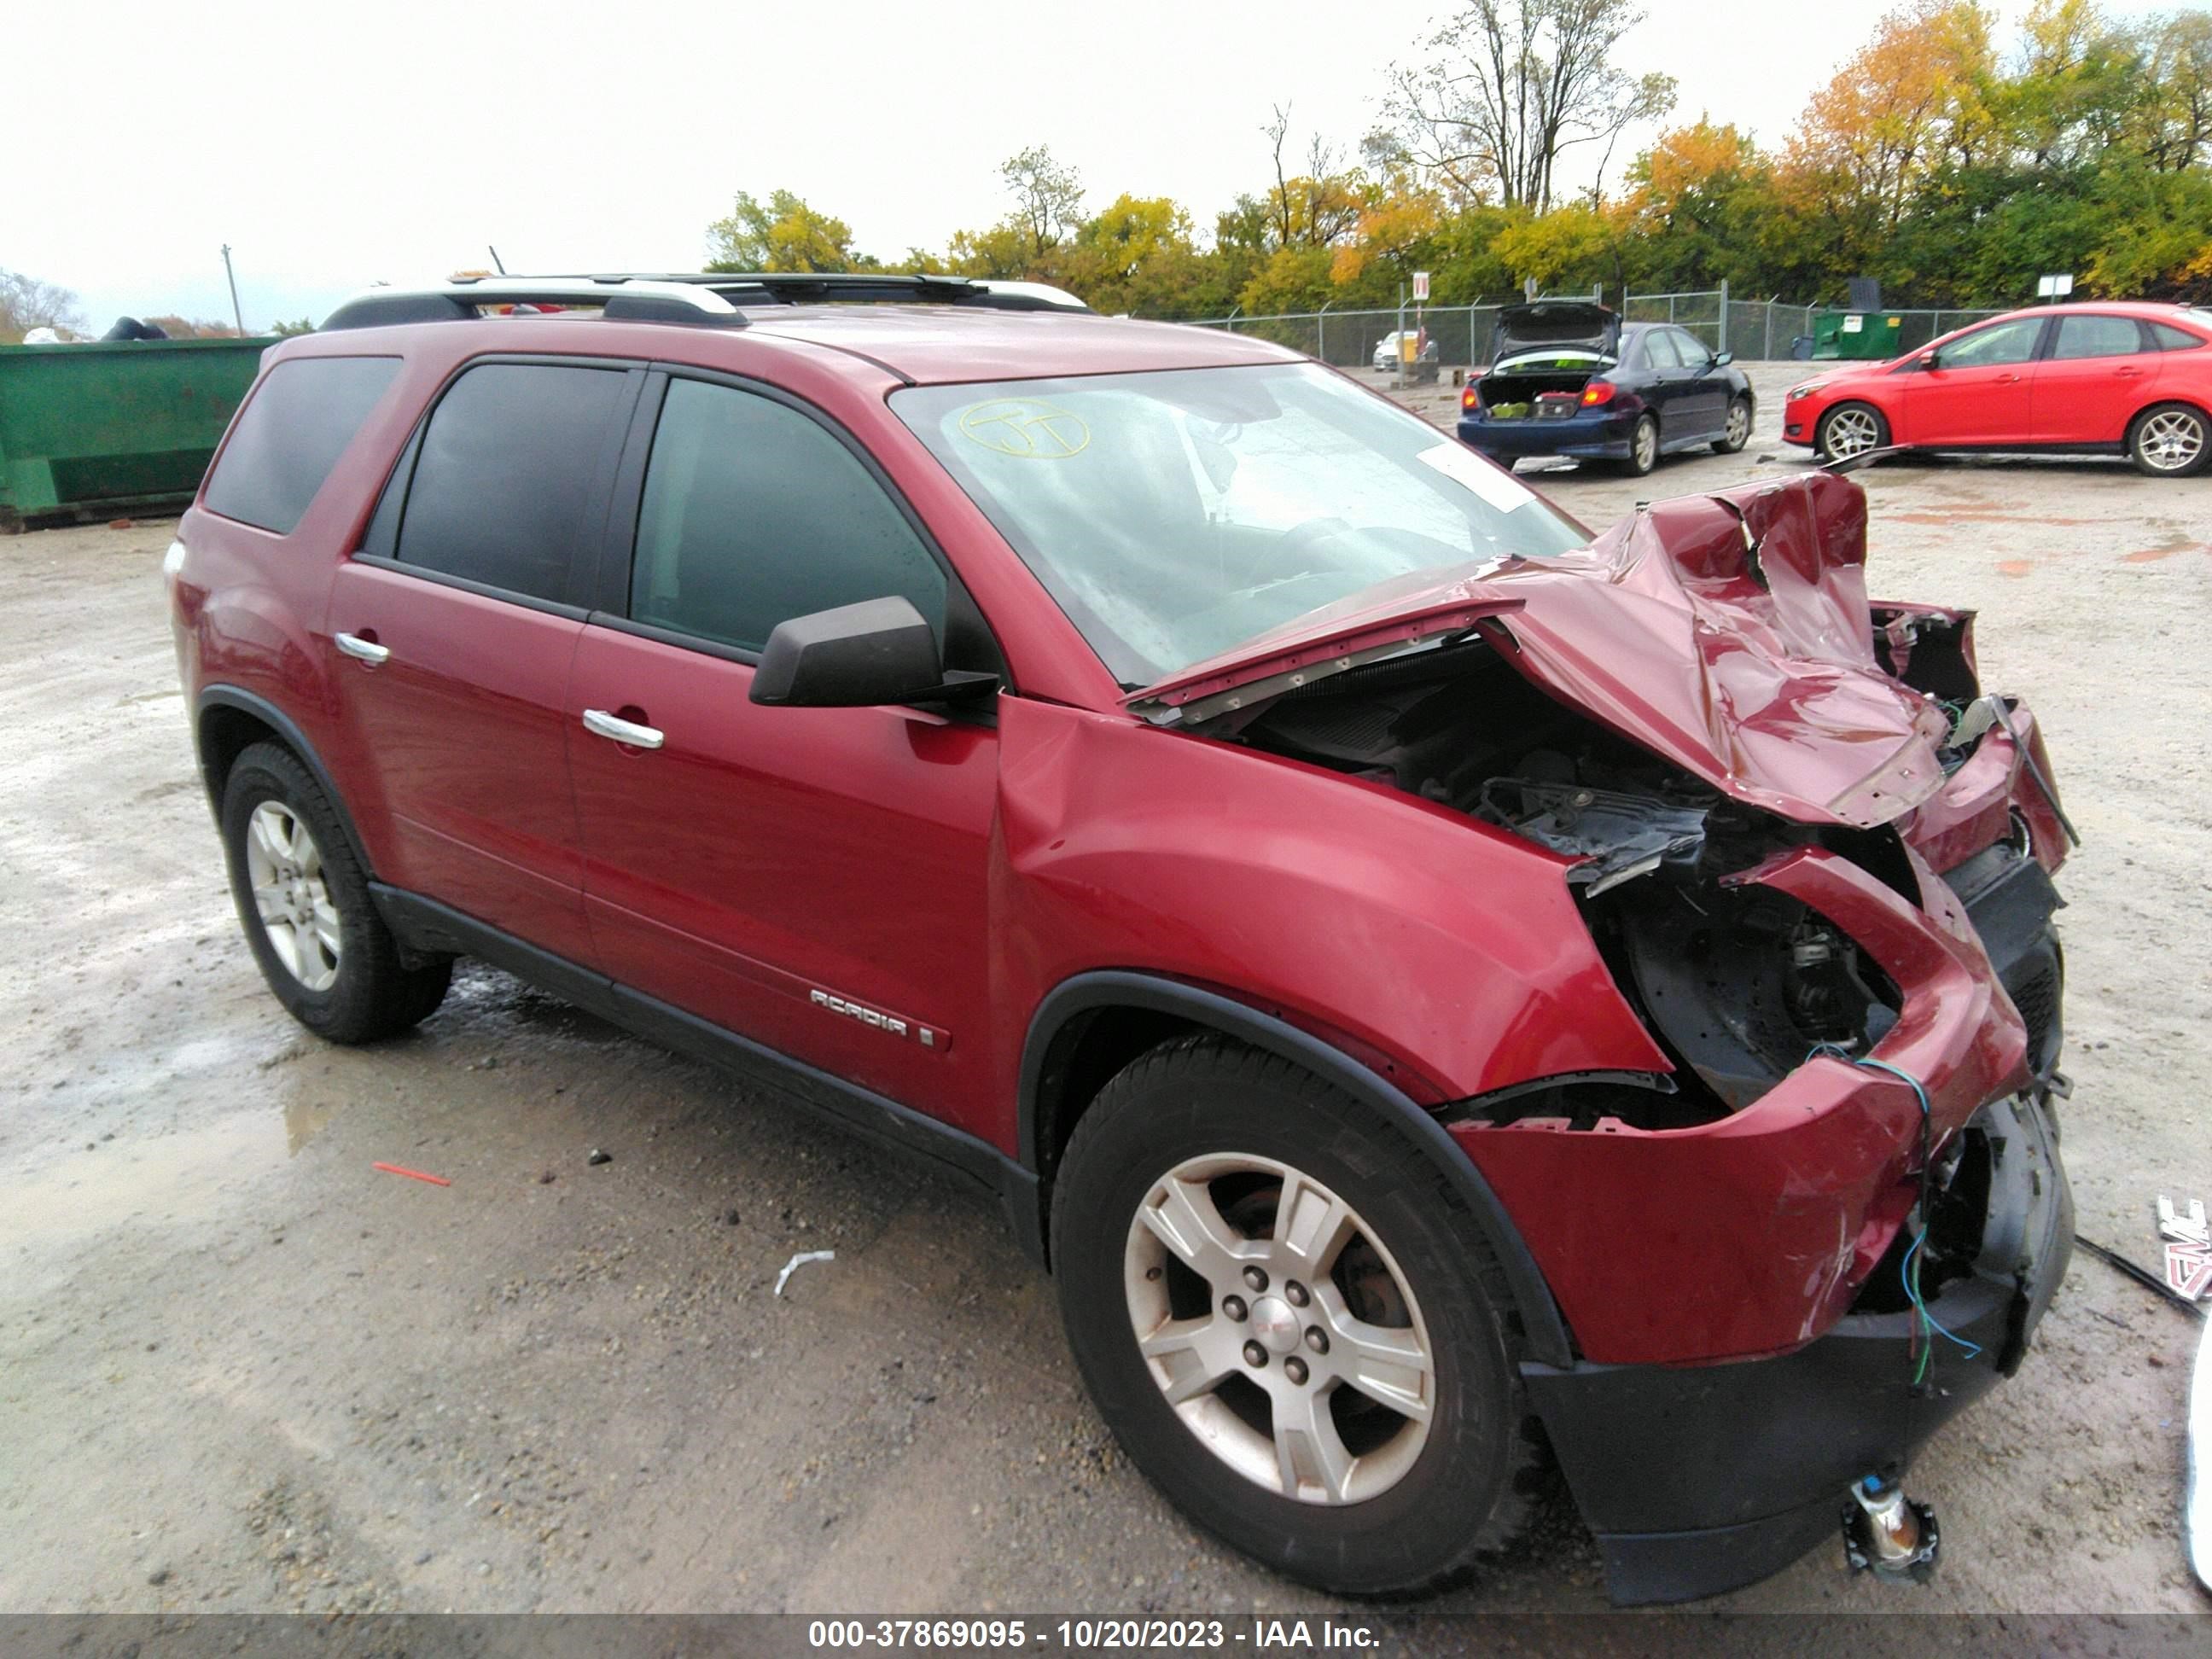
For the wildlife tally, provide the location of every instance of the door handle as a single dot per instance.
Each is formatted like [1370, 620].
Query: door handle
[368, 651]
[2006, 379]
[601, 724]
[2127, 373]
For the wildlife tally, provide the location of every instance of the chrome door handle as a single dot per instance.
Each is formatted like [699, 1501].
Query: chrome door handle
[601, 724]
[368, 651]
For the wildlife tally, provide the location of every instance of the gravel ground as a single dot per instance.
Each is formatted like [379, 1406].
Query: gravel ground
[240, 1371]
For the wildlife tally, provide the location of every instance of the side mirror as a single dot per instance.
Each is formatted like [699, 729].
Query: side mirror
[1927, 360]
[879, 651]
[1724, 360]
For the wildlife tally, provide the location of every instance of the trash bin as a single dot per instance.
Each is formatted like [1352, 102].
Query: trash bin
[1872, 336]
[93, 429]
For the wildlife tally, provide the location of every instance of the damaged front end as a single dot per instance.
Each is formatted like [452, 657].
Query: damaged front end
[1800, 837]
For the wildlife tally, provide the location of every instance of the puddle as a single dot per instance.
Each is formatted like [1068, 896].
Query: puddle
[495, 998]
[165, 1179]
[303, 1121]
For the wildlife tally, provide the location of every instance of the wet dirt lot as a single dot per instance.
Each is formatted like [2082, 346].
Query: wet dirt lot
[240, 1370]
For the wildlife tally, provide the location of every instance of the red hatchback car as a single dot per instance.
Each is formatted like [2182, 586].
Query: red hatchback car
[2101, 379]
[1443, 993]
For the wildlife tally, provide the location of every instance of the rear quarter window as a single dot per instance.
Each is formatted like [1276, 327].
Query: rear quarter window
[295, 426]
[2171, 338]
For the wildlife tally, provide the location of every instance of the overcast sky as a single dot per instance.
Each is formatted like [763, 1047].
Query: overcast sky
[335, 146]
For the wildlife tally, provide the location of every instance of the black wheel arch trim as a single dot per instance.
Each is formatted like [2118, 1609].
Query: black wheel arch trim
[1543, 1326]
[288, 730]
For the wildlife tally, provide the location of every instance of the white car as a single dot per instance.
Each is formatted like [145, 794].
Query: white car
[1386, 355]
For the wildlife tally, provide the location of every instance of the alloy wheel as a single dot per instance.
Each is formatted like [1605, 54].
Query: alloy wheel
[284, 868]
[1851, 432]
[1739, 425]
[1279, 1329]
[1646, 442]
[2171, 440]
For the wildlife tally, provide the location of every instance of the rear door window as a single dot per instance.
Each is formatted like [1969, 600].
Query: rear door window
[297, 424]
[1659, 351]
[2098, 337]
[753, 513]
[508, 483]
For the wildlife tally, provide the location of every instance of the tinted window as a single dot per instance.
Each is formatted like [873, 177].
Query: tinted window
[2171, 338]
[1659, 350]
[753, 514]
[507, 485]
[299, 421]
[2007, 342]
[2097, 336]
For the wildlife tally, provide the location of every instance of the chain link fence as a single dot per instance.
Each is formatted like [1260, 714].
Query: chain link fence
[1756, 331]
[1769, 331]
[1349, 339]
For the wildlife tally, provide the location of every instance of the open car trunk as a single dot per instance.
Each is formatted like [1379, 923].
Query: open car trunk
[1547, 351]
[1548, 383]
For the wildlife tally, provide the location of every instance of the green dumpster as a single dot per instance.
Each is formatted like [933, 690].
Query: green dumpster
[1875, 335]
[101, 428]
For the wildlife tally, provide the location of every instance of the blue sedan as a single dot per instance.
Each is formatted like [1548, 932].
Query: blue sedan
[1570, 379]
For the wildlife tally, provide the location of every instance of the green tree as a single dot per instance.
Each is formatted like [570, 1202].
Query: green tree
[1136, 256]
[782, 234]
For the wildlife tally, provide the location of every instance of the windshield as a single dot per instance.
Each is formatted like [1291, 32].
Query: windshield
[1176, 514]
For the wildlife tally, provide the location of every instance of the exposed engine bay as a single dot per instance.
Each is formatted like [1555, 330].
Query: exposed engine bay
[1738, 983]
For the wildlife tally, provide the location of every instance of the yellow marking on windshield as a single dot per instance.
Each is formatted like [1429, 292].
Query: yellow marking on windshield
[1026, 426]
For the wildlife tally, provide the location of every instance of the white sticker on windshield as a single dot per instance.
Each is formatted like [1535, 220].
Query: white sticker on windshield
[1462, 465]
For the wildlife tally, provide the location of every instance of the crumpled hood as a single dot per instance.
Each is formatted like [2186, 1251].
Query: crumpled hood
[1728, 633]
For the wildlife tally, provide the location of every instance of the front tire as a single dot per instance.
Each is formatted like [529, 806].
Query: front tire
[2170, 440]
[1336, 1391]
[1737, 433]
[303, 899]
[1849, 430]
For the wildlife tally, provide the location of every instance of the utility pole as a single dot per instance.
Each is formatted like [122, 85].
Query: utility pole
[230, 275]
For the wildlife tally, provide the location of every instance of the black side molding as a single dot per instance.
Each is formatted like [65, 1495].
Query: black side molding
[425, 925]
[1546, 1332]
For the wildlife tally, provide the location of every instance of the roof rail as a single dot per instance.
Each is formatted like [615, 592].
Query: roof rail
[692, 296]
[621, 299]
[793, 287]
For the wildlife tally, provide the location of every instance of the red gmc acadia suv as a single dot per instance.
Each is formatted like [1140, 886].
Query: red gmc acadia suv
[1441, 993]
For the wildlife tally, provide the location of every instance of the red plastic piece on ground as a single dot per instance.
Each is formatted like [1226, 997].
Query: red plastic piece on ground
[413, 1175]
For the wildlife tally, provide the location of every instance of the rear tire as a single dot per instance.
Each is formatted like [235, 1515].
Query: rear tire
[1203, 1135]
[2170, 440]
[1643, 447]
[303, 900]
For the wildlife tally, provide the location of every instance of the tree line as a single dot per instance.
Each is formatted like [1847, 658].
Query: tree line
[1952, 168]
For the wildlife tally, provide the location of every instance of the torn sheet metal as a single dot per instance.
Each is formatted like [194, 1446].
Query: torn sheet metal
[1729, 633]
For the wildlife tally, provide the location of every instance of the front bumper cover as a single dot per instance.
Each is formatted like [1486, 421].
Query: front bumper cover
[1698, 1480]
